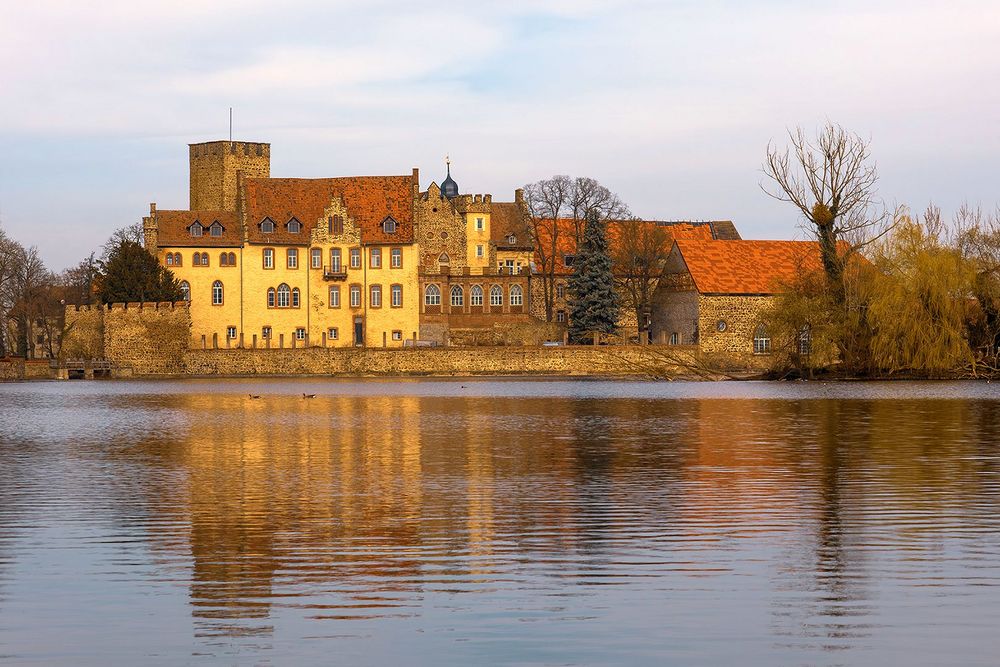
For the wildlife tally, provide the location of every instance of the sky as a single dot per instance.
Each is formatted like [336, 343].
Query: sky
[671, 104]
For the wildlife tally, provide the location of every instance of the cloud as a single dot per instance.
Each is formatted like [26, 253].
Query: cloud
[671, 103]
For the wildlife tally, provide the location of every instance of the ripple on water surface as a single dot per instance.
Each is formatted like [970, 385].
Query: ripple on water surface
[499, 522]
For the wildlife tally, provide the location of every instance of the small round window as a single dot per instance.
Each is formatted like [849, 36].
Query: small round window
[721, 326]
[444, 235]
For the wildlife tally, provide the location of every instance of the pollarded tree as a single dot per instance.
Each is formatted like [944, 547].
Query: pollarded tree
[831, 180]
[593, 301]
[131, 274]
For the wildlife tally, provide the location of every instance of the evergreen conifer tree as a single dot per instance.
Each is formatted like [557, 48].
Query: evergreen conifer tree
[593, 301]
[131, 274]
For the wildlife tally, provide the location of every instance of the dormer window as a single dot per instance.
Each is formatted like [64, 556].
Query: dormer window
[568, 260]
[196, 229]
[511, 239]
[267, 226]
[294, 226]
[215, 229]
[389, 225]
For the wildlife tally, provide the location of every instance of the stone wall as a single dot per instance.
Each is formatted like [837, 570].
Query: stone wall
[573, 360]
[675, 312]
[150, 338]
[11, 369]
[741, 315]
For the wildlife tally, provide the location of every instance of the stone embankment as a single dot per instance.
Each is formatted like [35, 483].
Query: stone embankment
[154, 340]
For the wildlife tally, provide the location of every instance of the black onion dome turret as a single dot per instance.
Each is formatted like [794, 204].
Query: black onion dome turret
[449, 188]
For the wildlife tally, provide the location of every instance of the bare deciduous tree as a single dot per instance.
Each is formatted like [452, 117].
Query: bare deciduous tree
[553, 202]
[639, 250]
[832, 181]
[132, 232]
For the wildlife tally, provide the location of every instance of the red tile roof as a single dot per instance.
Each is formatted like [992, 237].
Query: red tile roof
[747, 267]
[368, 200]
[508, 218]
[173, 229]
[566, 237]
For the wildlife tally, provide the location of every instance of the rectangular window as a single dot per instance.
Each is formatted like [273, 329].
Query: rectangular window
[397, 335]
[355, 258]
[376, 296]
[396, 296]
[375, 255]
[317, 258]
[231, 332]
[335, 297]
[479, 251]
[334, 260]
[293, 258]
[300, 333]
[396, 258]
[332, 333]
[338, 224]
[268, 258]
[561, 316]
[560, 291]
[355, 296]
[265, 332]
[568, 260]
[479, 224]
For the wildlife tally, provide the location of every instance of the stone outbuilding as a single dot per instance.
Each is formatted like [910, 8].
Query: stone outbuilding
[716, 293]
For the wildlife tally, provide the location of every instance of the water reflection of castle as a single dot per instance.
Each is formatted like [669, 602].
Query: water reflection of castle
[357, 506]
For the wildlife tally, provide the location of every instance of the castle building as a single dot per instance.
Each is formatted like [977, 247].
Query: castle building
[348, 261]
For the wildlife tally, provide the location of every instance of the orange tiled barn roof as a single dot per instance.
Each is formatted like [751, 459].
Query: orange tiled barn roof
[747, 267]
[368, 199]
[173, 229]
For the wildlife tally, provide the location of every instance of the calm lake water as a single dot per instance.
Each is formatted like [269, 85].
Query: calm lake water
[475, 522]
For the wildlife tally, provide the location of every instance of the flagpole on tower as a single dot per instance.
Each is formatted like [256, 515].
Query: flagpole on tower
[230, 125]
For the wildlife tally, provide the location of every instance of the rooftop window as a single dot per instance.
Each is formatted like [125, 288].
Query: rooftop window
[267, 226]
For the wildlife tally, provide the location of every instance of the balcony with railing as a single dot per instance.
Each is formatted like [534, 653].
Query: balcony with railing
[335, 273]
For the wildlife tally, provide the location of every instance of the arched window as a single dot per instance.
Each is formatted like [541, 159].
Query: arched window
[284, 295]
[185, 290]
[761, 340]
[432, 295]
[294, 226]
[295, 297]
[496, 296]
[457, 296]
[217, 293]
[270, 297]
[232, 259]
[476, 296]
[267, 226]
[516, 295]
[443, 258]
[170, 259]
[805, 340]
[224, 259]
[177, 259]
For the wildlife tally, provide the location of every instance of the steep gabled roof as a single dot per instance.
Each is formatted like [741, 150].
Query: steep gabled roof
[173, 229]
[508, 218]
[747, 267]
[368, 200]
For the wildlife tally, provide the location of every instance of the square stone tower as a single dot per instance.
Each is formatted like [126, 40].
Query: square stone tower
[214, 165]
